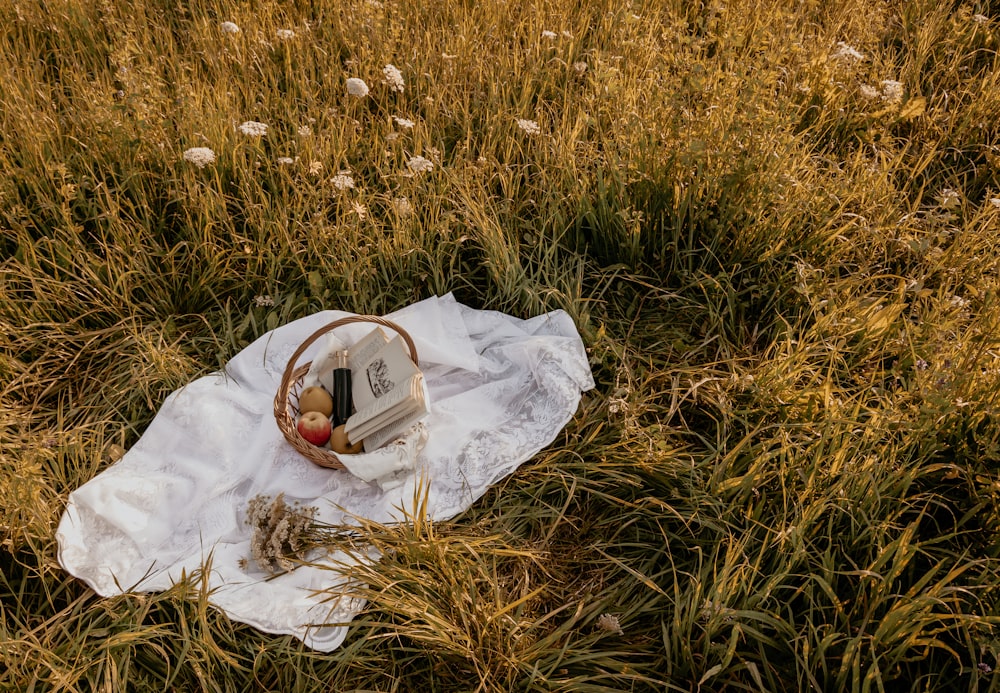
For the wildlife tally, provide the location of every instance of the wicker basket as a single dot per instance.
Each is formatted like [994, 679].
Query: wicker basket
[291, 381]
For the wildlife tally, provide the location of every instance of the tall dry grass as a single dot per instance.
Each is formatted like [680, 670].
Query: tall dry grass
[774, 223]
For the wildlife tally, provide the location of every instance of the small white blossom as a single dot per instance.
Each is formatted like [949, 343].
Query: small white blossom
[980, 18]
[263, 301]
[305, 131]
[402, 206]
[418, 164]
[403, 122]
[529, 126]
[229, 28]
[360, 210]
[285, 34]
[959, 302]
[550, 35]
[892, 91]
[566, 34]
[580, 67]
[949, 198]
[393, 77]
[252, 128]
[846, 52]
[610, 623]
[870, 92]
[343, 180]
[357, 87]
[286, 160]
[316, 168]
[712, 608]
[199, 156]
[995, 201]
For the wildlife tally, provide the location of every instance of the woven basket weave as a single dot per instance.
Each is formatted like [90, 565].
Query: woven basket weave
[285, 409]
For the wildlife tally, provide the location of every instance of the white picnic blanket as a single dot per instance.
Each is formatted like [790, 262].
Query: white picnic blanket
[501, 389]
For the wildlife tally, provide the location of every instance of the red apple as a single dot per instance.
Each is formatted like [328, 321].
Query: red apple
[314, 427]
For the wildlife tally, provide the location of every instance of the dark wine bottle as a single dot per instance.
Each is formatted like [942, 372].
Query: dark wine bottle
[342, 403]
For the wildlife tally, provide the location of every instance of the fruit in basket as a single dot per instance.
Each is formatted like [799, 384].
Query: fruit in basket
[314, 427]
[315, 398]
[340, 443]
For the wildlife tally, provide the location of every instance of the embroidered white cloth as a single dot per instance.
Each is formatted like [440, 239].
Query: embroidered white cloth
[501, 390]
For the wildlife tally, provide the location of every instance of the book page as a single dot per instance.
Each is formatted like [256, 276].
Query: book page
[384, 409]
[403, 408]
[387, 369]
[364, 349]
[393, 429]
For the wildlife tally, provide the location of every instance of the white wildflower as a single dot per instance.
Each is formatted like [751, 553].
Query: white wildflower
[418, 164]
[229, 28]
[403, 122]
[566, 34]
[357, 87]
[316, 168]
[995, 201]
[580, 67]
[959, 302]
[252, 128]
[285, 34]
[199, 156]
[870, 93]
[892, 91]
[610, 623]
[980, 18]
[846, 52]
[343, 180]
[529, 126]
[550, 35]
[305, 131]
[393, 77]
[949, 199]
[402, 206]
[263, 301]
[712, 608]
[360, 210]
[286, 160]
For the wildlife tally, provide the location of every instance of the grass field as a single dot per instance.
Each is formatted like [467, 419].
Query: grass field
[774, 223]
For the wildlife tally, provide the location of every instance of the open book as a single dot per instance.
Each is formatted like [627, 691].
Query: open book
[387, 388]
